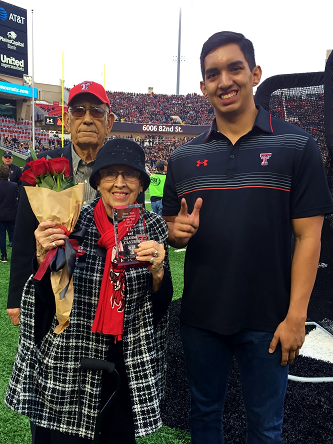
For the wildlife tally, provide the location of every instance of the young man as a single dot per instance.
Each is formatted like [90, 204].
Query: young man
[157, 181]
[234, 195]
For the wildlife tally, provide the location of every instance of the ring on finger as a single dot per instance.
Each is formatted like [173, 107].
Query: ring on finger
[55, 246]
[156, 253]
[51, 238]
[151, 260]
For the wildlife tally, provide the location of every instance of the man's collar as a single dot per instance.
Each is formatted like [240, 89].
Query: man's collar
[263, 121]
[75, 159]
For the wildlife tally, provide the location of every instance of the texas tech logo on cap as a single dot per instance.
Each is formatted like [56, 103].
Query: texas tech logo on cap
[264, 157]
[85, 85]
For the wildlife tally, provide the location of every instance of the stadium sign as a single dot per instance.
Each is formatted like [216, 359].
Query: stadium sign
[18, 90]
[52, 121]
[151, 128]
[13, 16]
[13, 65]
[13, 40]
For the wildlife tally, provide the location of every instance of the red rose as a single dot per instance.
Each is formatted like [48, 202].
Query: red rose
[67, 171]
[59, 165]
[39, 166]
[29, 177]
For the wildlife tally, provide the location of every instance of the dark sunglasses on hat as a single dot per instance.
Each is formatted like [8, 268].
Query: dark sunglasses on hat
[97, 112]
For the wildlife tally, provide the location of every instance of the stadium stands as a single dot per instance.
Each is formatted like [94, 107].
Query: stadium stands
[192, 109]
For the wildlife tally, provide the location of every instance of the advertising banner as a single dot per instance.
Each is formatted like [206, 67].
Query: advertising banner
[18, 90]
[13, 40]
[157, 128]
[52, 120]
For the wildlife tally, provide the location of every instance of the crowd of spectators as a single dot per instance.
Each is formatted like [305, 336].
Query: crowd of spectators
[17, 137]
[303, 107]
[52, 110]
[157, 147]
[192, 109]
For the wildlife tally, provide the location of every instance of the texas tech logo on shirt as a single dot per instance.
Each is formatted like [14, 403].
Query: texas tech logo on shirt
[264, 157]
[85, 86]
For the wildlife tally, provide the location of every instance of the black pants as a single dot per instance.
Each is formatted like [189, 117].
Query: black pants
[118, 426]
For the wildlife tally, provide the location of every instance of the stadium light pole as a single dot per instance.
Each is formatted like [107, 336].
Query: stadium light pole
[178, 59]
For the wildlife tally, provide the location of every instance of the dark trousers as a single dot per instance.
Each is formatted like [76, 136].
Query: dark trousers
[9, 227]
[208, 357]
[118, 425]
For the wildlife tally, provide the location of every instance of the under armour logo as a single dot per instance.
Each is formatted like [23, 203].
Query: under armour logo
[204, 163]
[264, 157]
[85, 85]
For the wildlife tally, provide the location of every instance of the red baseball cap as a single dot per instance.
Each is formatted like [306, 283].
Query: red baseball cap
[91, 88]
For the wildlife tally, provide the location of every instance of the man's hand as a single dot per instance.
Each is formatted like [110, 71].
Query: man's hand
[291, 334]
[183, 226]
[14, 314]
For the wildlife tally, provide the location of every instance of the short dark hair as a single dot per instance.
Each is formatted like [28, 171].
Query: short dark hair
[224, 38]
[4, 171]
[160, 165]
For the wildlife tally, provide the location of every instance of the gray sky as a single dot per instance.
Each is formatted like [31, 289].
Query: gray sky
[137, 40]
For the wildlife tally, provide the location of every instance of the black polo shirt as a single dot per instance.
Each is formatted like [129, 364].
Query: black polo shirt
[237, 266]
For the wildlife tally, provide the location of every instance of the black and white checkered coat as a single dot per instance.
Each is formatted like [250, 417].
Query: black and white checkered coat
[45, 378]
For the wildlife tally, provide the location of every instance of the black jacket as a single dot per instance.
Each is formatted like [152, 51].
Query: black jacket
[24, 242]
[8, 200]
[15, 174]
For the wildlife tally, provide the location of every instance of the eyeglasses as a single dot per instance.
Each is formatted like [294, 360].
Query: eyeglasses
[129, 176]
[97, 112]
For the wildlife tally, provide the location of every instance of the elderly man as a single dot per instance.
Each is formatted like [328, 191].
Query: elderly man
[88, 120]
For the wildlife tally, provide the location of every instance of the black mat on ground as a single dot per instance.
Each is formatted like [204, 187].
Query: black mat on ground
[308, 407]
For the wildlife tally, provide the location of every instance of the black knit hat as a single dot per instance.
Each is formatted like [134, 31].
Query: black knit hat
[121, 152]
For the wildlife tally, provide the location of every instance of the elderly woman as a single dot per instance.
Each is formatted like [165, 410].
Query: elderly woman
[119, 315]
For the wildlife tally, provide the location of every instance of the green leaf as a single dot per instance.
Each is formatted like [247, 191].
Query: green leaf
[45, 185]
[48, 157]
[48, 182]
[71, 184]
[33, 153]
[62, 185]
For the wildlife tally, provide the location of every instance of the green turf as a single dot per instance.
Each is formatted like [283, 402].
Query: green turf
[14, 428]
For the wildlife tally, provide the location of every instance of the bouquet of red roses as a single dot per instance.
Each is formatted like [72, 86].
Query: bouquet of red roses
[53, 195]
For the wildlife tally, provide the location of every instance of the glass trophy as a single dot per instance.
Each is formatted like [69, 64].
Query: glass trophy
[128, 219]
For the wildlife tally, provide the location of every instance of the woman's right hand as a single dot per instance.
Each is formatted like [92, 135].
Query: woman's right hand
[48, 236]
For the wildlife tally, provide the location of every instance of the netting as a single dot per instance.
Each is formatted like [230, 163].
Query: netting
[305, 106]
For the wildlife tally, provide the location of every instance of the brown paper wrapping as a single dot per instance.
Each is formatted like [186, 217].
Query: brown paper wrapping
[63, 208]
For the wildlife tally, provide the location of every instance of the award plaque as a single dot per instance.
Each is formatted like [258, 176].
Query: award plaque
[126, 215]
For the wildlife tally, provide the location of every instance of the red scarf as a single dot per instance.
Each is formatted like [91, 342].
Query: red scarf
[109, 317]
